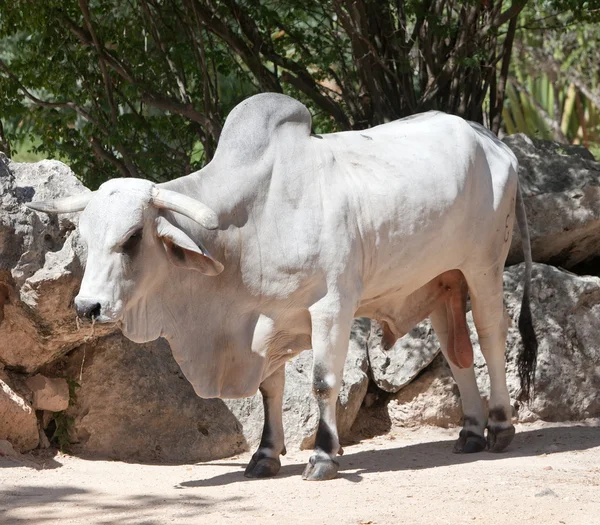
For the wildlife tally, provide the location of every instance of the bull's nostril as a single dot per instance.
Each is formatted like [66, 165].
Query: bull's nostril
[95, 311]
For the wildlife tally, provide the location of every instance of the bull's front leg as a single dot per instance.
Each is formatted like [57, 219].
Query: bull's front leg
[330, 335]
[265, 461]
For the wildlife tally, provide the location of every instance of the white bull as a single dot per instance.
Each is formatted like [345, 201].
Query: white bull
[292, 235]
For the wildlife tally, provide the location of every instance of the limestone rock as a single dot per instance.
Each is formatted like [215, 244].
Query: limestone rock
[356, 380]
[134, 404]
[394, 368]
[6, 449]
[300, 410]
[566, 310]
[561, 189]
[40, 267]
[49, 393]
[18, 423]
[432, 399]
[27, 235]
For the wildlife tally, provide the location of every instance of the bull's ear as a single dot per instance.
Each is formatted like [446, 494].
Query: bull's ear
[184, 252]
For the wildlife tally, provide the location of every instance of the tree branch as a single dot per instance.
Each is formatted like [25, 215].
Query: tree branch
[47, 104]
[4, 142]
[161, 46]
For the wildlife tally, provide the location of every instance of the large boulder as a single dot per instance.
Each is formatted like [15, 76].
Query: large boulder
[40, 267]
[300, 409]
[431, 399]
[565, 309]
[28, 236]
[561, 189]
[18, 422]
[394, 368]
[51, 394]
[133, 403]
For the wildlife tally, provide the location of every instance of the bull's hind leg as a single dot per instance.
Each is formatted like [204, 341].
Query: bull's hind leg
[331, 325]
[444, 322]
[487, 294]
[265, 461]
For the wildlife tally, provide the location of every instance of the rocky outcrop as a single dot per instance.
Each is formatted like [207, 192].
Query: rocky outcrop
[18, 422]
[300, 410]
[134, 404]
[395, 368]
[355, 381]
[566, 310]
[431, 399]
[40, 268]
[561, 189]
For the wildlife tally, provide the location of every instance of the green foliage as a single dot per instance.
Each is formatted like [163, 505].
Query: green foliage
[24, 151]
[73, 386]
[62, 432]
[63, 421]
[141, 88]
[76, 107]
[553, 90]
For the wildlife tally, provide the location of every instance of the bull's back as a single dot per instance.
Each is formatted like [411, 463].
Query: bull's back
[423, 190]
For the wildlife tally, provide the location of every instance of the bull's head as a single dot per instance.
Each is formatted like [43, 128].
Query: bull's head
[128, 242]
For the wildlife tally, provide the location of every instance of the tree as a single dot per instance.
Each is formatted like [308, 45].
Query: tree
[141, 87]
[554, 83]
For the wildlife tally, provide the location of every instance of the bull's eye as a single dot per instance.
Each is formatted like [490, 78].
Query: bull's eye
[130, 245]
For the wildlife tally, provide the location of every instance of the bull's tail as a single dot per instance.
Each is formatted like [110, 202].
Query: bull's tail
[527, 359]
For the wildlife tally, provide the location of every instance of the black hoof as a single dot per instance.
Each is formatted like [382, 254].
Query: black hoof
[499, 438]
[468, 443]
[262, 467]
[320, 469]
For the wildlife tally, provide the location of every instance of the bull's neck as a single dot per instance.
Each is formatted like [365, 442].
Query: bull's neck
[174, 306]
[233, 192]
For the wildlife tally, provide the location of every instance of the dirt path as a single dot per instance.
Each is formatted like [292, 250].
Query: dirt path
[550, 475]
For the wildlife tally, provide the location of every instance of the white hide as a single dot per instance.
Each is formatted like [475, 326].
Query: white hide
[331, 226]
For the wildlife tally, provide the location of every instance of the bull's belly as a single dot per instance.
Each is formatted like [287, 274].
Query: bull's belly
[399, 311]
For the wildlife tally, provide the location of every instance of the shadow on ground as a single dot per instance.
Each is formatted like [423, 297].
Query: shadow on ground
[430, 455]
[44, 461]
[44, 505]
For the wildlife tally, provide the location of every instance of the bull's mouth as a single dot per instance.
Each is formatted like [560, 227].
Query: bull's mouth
[91, 321]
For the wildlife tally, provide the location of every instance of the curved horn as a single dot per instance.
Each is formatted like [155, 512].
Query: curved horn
[64, 205]
[195, 210]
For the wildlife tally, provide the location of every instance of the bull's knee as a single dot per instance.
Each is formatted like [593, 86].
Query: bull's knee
[326, 440]
[323, 383]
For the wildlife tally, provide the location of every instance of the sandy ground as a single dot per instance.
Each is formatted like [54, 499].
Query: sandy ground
[550, 475]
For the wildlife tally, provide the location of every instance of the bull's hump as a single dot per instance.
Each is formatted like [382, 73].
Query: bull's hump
[260, 120]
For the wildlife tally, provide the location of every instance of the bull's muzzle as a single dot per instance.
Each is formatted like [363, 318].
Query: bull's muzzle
[87, 308]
